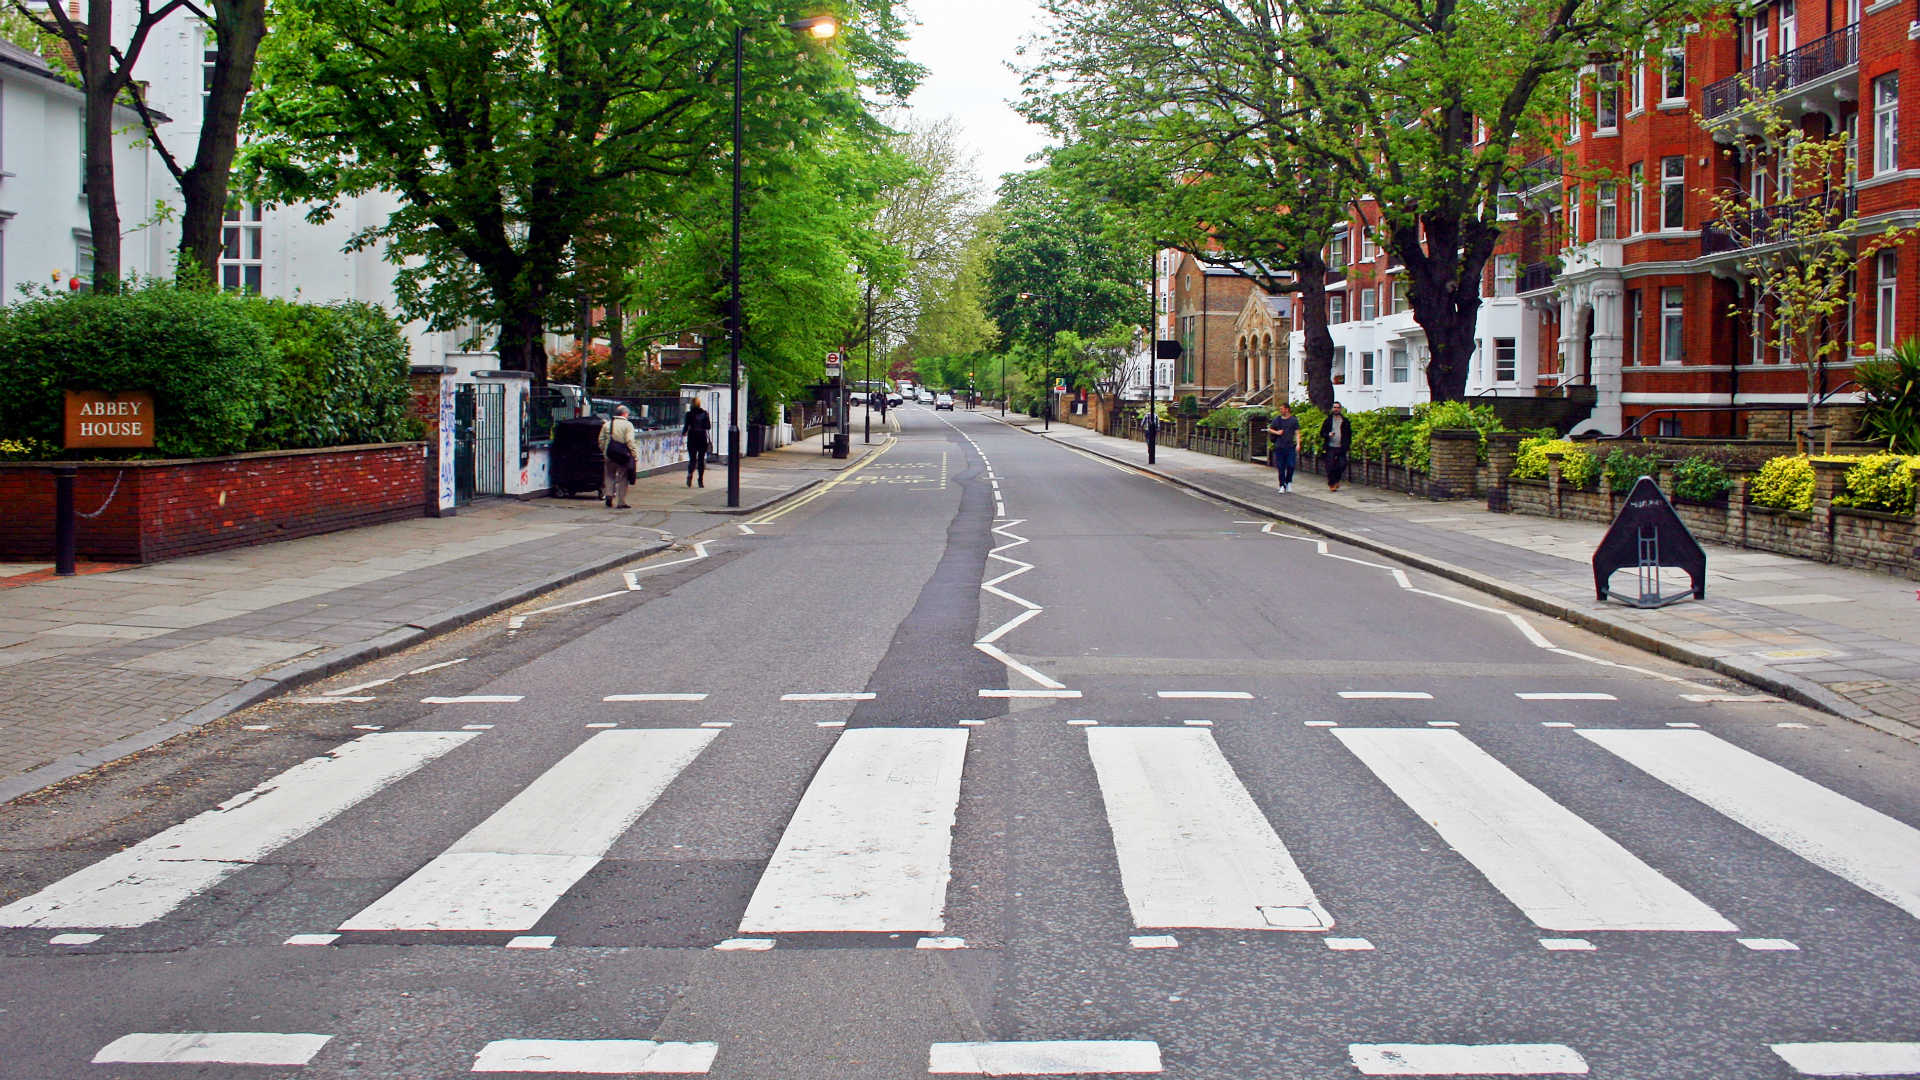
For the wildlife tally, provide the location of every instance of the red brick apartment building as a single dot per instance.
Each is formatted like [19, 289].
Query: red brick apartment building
[1646, 301]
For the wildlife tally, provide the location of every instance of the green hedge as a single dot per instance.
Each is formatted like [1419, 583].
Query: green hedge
[228, 373]
[1783, 483]
[1880, 482]
[206, 360]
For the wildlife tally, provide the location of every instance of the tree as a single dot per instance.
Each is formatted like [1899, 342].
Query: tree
[1797, 256]
[511, 130]
[950, 320]
[1184, 119]
[1424, 107]
[107, 77]
[1055, 267]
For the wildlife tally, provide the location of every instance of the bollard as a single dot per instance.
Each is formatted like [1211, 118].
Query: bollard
[63, 520]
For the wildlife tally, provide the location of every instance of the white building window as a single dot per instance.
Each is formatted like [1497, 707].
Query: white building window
[1506, 205]
[1506, 274]
[1366, 369]
[1886, 123]
[1673, 75]
[1636, 327]
[240, 249]
[1399, 296]
[1576, 201]
[1336, 308]
[1369, 305]
[1673, 192]
[1757, 347]
[1506, 359]
[1576, 108]
[1609, 223]
[1673, 345]
[1340, 363]
[1397, 358]
[1369, 251]
[1606, 100]
[1337, 251]
[1636, 198]
[1789, 28]
[1887, 267]
[1637, 88]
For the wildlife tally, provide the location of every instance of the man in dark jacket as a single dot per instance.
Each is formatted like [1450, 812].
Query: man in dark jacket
[698, 428]
[1336, 438]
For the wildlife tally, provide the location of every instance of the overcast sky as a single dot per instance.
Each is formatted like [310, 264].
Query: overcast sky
[966, 46]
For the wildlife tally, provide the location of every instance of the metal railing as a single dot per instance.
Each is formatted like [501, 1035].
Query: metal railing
[1817, 59]
[1539, 275]
[1763, 225]
[1538, 173]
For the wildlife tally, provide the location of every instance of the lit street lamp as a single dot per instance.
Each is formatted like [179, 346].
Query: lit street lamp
[819, 27]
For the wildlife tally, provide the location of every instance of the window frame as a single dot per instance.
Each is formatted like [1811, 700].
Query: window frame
[1636, 327]
[1673, 325]
[1886, 298]
[1399, 364]
[1673, 192]
[1606, 100]
[1606, 217]
[1336, 306]
[1369, 305]
[1636, 198]
[1673, 74]
[1886, 123]
[1506, 358]
[1366, 368]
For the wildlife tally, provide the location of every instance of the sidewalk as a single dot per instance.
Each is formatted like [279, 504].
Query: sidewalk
[114, 660]
[1841, 640]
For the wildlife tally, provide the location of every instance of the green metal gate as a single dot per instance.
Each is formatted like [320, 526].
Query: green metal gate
[490, 439]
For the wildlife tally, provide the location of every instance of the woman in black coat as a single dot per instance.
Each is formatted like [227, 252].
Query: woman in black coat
[698, 429]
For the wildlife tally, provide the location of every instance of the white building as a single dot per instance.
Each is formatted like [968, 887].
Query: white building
[45, 236]
[1380, 360]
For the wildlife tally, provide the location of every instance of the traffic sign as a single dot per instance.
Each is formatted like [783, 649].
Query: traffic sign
[833, 365]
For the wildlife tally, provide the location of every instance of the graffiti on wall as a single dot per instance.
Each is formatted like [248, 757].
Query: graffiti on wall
[446, 446]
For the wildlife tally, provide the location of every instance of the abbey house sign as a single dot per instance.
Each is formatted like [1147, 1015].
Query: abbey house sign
[96, 419]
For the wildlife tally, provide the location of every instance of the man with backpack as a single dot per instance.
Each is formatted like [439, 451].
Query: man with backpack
[621, 451]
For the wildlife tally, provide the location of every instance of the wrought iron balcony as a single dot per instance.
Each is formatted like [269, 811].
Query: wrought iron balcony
[1538, 173]
[1763, 225]
[1539, 275]
[1818, 59]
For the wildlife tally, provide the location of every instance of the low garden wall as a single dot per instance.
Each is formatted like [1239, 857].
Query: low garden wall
[144, 511]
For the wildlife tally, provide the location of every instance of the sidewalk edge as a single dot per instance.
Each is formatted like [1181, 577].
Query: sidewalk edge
[310, 670]
[1785, 686]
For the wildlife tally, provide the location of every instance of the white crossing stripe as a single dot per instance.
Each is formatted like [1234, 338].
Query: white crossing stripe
[211, 1048]
[1851, 1059]
[1206, 695]
[1566, 697]
[1386, 695]
[512, 867]
[654, 697]
[1563, 873]
[1862, 845]
[473, 699]
[841, 695]
[870, 845]
[151, 878]
[602, 1056]
[1060, 1058]
[1436, 1059]
[1063, 694]
[1193, 848]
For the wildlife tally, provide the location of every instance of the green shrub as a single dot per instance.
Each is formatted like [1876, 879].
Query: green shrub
[1231, 419]
[1696, 479]
[1189, 405]
[1623, 470]
[1448, 414]
[1784, 483]
[205, 359]
[1880, 482]
[340, 376]
[1578, 467]
[1310, 418]
[1892, 391]
[1373, 431]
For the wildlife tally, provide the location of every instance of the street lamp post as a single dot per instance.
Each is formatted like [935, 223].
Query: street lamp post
[820, 27]
[867, 435]
[1046, 364]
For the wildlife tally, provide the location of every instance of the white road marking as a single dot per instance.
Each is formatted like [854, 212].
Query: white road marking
[745, 529]
[1082, 723]
[1681, 724]
[602, 724]
[1193, 848]
[437, 667]
[357, 687]
[1851, 1059]
[1790, 724]
[1323, 723]
[1197, 723]
[1563, 873]
[1032, 673]
[1349, 944]
[830, 723]
[1009, 626]
[1862, 845]
[601, 1056]
[940, 943]
[870, 845]
[716, 723]
[532, 941]
[1058, 694]
[368, 727]
[1154, 941]
[211, 1048]
[1435, 1059]
[512, 867]
[653, 697]
[263, 727]
[476, 727]
[1768, 944]
[1064, 1058]
[744, 944]
[474, 699]
[1566, 944]
[1386, 695]
[1556, 696]
[1728, 698]
[1556, 723]
[1205, 695]
[830, 696]
[312, 939]
[144, 882]
[74, 939]
[1443, 723]
[973, 723]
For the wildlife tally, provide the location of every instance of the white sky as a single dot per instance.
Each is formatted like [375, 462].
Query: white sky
[965, 46]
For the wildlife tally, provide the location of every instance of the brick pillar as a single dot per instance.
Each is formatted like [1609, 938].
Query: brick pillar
[1737, 507]
[1503, 450]
[1453, 462]
[425, 381]
[1913, 548]
[1554, 458]
[1828, 478]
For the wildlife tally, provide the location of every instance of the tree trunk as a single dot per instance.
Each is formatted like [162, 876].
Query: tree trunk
[238, 27]
[520, 345]
[103, 210]
[617, 342]
[1445, 294]
[1317, 339]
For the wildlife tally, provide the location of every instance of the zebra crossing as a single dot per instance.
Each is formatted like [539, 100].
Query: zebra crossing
[868, 848]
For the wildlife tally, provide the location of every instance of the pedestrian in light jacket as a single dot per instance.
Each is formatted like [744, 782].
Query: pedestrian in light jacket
[1336, 438]
[620, 454]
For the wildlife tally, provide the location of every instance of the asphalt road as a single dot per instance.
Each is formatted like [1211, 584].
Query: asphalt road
[989, 758]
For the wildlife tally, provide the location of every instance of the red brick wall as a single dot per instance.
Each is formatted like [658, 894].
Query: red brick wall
[166, 509]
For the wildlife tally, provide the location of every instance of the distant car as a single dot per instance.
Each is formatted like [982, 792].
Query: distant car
[943, 401]
[893, 397]
[926, 396]
[857, 397]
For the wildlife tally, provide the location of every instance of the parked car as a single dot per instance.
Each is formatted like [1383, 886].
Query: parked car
[926, 396]
[856, 397]
[893, 397]
[943, 400]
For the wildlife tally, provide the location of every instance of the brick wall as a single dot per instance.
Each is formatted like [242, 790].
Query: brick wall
[153, 510]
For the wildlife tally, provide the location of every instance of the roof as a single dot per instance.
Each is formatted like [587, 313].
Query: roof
[24, 59]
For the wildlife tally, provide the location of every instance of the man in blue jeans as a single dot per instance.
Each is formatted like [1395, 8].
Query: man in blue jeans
[1283, 428]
